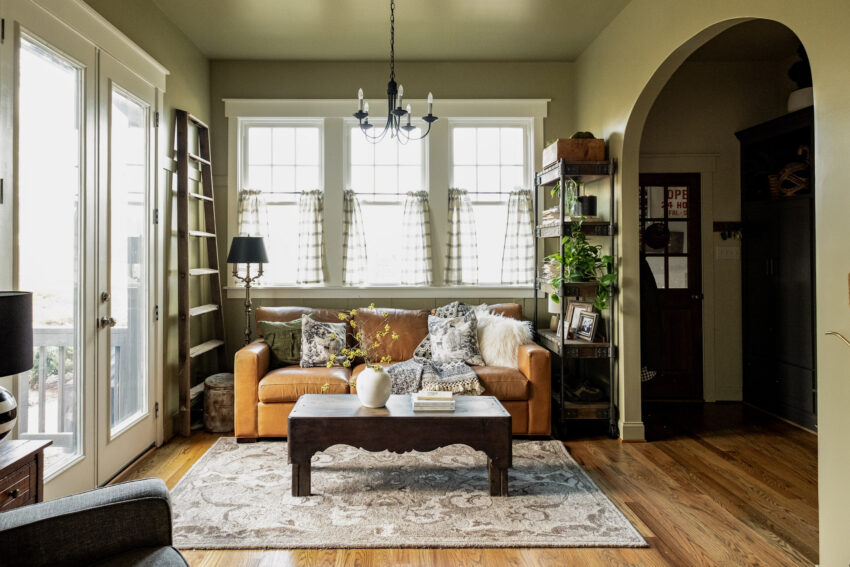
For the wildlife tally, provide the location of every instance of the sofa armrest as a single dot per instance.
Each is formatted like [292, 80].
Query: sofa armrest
[84, 528]
[535, 363]
[250, 365]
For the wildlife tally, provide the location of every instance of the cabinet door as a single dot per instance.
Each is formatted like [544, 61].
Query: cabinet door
[793, 284]
[758, 251]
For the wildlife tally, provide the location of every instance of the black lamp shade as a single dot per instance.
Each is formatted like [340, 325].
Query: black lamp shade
[15, 332]
[247, 250]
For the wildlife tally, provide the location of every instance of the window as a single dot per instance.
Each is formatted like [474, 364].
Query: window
[490, 158]
[281, 158]
[381, 174]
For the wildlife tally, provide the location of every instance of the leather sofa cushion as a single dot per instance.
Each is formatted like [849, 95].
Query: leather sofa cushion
[411, 326]
[288, 383]
[504, 383]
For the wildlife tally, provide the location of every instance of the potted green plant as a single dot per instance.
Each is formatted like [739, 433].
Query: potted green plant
[583, 262]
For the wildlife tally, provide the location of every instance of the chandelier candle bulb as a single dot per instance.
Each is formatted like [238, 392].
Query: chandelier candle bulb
[408, 115]
[366, 107]
[400, 94]
[430, 103]
[360, 99]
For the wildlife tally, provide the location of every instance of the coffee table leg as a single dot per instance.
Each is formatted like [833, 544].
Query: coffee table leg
[498, 479]
[301, 479]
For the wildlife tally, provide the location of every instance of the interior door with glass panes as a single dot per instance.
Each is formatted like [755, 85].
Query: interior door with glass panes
[125, 389]
[671, 326]
[50, 73]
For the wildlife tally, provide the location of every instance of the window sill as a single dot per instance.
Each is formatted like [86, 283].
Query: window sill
[367, 292]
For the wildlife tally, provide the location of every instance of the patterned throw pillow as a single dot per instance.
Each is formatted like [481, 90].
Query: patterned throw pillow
[319, 341]
[284, 340]
[455, 339]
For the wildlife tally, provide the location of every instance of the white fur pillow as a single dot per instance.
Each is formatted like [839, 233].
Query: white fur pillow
[499, 338]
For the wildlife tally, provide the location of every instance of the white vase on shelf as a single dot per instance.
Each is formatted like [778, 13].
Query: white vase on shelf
[374, 387]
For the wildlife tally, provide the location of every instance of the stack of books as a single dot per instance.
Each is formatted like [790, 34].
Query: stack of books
[429, 400]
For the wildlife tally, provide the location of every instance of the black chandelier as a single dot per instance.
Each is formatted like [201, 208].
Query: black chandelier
[395, 95]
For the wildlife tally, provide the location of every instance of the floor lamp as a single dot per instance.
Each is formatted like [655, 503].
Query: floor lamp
[247, 250]
[15, 349]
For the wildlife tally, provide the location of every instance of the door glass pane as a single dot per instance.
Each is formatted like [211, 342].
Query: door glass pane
[128, 221]
[656, 264]
[678, 271]
[49, 187]
[678, 237]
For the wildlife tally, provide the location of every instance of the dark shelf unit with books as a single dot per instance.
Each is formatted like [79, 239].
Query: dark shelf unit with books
[573, 353]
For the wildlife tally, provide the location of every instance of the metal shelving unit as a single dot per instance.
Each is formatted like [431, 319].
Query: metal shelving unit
[569, 349]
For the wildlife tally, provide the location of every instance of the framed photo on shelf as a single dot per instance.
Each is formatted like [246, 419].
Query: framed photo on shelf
[574, 309]
[587, 321]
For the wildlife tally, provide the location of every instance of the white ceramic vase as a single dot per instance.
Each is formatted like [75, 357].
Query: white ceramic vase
[374, 387]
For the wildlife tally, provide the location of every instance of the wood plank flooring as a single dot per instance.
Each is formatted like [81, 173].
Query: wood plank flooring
[717, 484]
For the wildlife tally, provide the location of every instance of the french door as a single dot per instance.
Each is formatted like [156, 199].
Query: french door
[125, 400]
[80, 237]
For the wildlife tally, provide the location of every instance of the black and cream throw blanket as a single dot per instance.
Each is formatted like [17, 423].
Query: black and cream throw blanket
[422, 373]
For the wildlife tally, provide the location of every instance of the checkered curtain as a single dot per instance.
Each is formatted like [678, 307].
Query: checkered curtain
[462, 249]
[353, 241]
[311, 248]
[252, 219]
[518, 254]
[416, 238]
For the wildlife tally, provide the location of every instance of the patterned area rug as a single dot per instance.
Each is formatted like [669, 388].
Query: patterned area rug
[238, 496]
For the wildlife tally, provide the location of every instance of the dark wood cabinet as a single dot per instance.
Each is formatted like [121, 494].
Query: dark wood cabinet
[21, 473]
[778, 259]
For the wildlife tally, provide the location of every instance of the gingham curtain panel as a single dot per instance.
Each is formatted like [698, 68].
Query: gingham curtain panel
[311, 248]
[518, 254]
[462, 249]
[252, 218]
[416, 237]
[354, 259]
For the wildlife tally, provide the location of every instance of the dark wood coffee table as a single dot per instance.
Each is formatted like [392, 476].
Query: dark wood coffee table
[319, 421]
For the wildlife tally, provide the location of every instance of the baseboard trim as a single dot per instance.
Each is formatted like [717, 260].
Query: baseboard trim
[632, 432]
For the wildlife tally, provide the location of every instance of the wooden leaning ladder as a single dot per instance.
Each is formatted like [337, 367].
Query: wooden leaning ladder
[204, 198]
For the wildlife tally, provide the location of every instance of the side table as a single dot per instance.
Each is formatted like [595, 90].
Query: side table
[21, 473]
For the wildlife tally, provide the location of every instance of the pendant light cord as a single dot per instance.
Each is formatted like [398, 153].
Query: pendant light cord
[392, 40]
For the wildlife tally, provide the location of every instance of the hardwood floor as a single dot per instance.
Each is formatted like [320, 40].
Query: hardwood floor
[717, 484]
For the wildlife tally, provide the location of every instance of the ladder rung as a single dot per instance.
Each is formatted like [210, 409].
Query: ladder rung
[198, 122]
[199, 196]
[196, 390]
[201, 309]
[201, 234]
[200, 349]
[202, 272]
[198, 159]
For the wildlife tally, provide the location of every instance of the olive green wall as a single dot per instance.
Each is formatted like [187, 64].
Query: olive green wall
[619, 77]
[693, 123]
[187, 87]
[337, 80]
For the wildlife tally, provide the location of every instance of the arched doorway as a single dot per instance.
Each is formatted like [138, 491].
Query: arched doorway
[715, 327]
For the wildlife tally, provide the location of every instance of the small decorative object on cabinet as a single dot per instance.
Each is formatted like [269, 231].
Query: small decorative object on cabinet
[21, 473]
[584, 358]
[15, 350]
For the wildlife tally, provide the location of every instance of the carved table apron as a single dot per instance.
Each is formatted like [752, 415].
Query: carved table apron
[319, 421]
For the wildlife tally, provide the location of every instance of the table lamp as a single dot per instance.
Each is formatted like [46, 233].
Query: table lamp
[247, 250]
[15, 349]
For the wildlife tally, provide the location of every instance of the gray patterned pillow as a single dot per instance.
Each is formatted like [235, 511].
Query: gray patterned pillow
[455, 339]
[319, 341]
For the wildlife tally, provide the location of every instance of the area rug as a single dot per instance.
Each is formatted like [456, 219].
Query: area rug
[238, 496]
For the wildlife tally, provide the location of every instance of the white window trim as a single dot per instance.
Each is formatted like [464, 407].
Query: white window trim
[334, 113]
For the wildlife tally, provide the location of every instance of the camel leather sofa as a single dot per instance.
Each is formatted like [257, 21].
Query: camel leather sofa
[264, 398]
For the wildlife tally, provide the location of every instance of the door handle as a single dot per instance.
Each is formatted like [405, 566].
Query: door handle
[104, 296]
[107, 322]
[697, 297]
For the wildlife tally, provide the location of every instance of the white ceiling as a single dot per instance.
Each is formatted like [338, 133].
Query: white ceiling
[350, 30]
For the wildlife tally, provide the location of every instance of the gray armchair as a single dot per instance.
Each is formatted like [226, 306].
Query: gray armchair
[124, 524]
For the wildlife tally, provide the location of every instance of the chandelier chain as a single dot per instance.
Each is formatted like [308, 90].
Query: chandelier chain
[392, 40]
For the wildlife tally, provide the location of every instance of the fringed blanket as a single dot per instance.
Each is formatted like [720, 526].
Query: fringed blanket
[422, 373]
